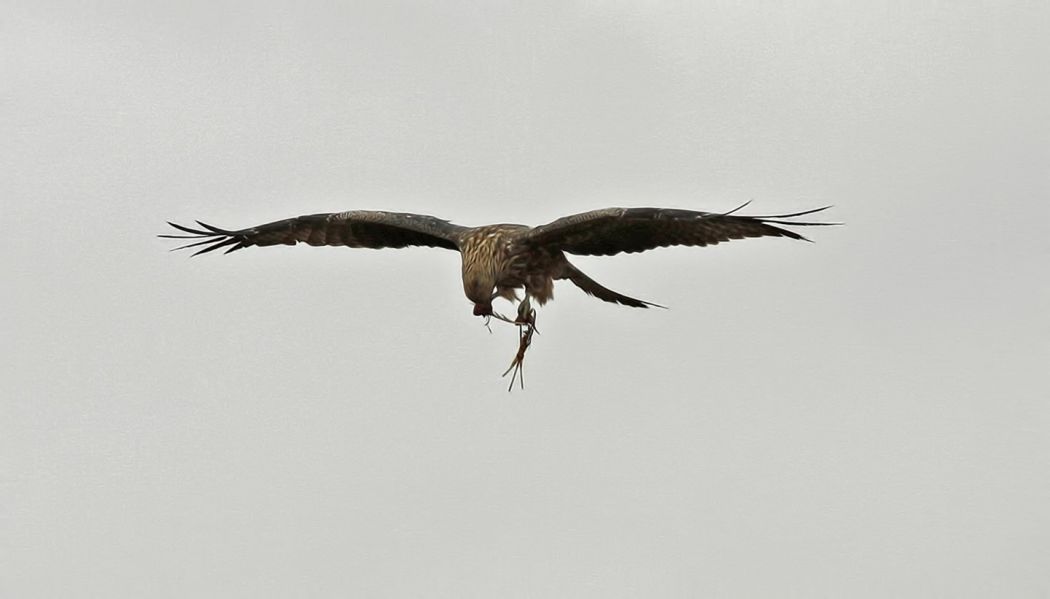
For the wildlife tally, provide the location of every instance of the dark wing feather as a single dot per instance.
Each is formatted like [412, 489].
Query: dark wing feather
[614, 230]
[358, 228]
[593, 288]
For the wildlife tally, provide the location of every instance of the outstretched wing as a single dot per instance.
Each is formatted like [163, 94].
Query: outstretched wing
[614, 230]
[357, 228]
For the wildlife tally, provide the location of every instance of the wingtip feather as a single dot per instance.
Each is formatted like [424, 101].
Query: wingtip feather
[186, 229]
[737, 209]
[214, 229]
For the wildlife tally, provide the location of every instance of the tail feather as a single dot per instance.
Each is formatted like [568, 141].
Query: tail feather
[595, 289]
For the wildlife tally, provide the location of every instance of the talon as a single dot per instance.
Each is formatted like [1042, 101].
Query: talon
[526, 323]
[499, 316]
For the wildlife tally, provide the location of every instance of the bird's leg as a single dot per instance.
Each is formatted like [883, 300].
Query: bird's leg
[526, 322]
[525, 311]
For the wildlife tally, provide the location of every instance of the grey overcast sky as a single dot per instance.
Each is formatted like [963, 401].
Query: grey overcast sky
[865, 416]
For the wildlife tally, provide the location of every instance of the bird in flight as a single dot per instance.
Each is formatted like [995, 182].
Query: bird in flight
[499, 260]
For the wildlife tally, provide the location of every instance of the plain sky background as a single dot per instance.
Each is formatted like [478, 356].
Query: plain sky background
[863, 416]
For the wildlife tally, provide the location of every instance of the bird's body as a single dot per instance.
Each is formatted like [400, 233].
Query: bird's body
[495, 258]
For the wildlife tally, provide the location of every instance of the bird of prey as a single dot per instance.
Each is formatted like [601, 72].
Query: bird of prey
[499, 260]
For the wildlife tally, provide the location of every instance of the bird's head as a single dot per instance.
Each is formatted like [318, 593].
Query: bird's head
[479, 288]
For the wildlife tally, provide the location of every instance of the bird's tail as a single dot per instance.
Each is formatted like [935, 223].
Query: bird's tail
[593, 288]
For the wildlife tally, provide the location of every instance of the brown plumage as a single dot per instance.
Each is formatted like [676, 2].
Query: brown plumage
[500, 259]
